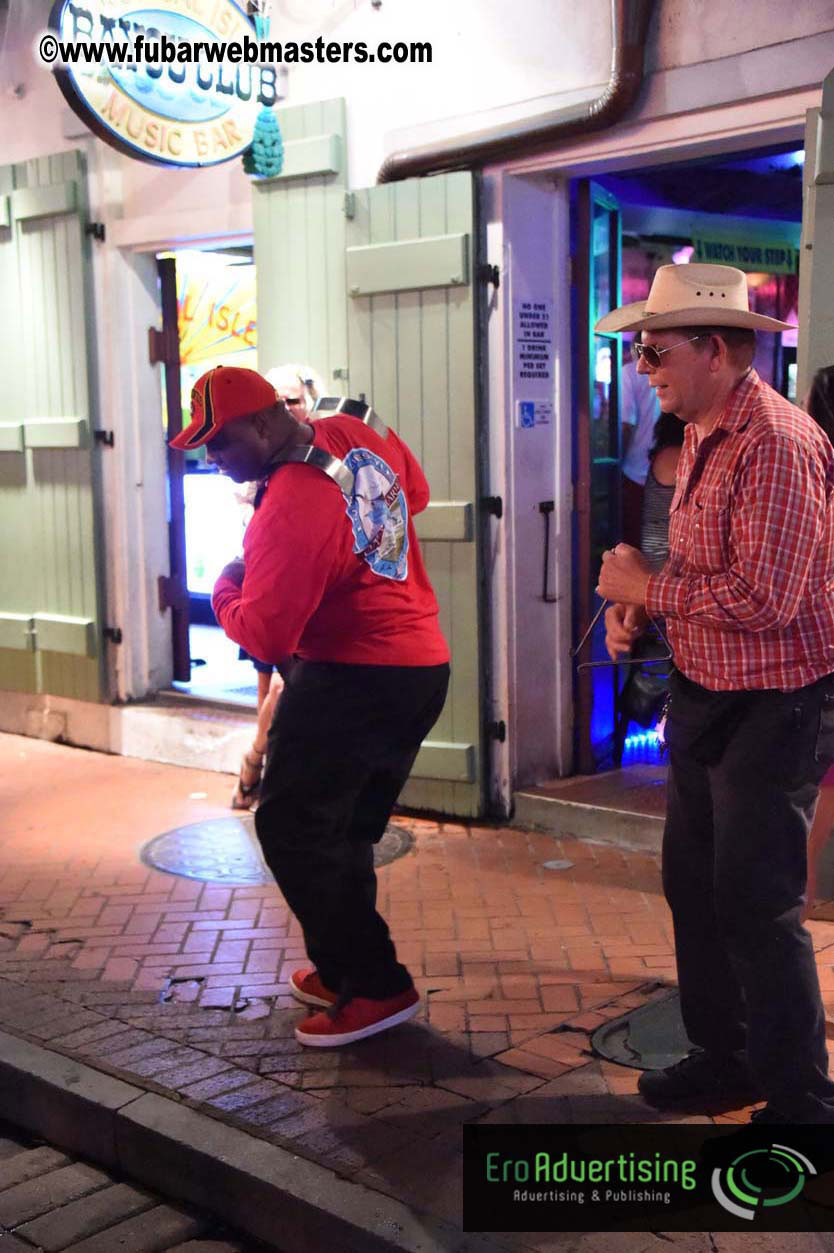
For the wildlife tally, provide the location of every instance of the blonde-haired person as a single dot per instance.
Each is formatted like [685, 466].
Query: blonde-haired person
[299, 386]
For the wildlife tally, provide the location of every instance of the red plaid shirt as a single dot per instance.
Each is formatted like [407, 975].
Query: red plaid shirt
[748, 589]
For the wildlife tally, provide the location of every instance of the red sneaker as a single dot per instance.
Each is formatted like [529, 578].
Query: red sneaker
[306, 986]
[359, 1018]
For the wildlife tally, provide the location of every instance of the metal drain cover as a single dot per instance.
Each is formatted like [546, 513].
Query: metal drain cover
[648, 1038]
[226, 850]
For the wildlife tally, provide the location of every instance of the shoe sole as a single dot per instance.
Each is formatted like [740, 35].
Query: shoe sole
[349, 1037]
[697, 1101]
[307, 998]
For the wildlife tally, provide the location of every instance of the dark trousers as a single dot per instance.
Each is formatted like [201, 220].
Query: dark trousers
[744, 777]
[341, 746]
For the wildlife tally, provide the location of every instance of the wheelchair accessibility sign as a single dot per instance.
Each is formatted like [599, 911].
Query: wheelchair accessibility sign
[530, 413]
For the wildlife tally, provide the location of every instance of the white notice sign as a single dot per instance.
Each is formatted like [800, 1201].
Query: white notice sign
[533, 336]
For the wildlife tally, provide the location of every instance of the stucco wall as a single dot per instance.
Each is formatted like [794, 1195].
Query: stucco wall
[689, 31]
[490, 62]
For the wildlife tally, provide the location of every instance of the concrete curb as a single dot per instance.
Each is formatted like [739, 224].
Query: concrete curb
[263, 1190]
[619, 827]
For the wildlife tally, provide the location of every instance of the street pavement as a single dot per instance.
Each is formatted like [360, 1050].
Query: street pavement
[181, 988]
[50, 1201]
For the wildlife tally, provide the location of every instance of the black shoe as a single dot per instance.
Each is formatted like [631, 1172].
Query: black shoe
[818, 1115]
[697, 1079]
[769, 1115]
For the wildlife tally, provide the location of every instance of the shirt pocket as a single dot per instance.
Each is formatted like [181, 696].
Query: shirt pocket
[710, 528]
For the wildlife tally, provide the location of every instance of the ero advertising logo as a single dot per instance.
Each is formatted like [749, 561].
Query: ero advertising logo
[646, 1177]
[150, 81]
[761, 1179]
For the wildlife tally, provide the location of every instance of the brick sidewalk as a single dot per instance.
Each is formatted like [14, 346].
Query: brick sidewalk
[50, 1202]
[183, 987]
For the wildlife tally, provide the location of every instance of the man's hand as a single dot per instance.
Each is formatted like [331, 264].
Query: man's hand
[623, 624]
[234, 571]
[624, 575]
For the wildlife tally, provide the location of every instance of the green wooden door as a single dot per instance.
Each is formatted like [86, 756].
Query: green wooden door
[50, 624]
[411, 342]
[299, 226]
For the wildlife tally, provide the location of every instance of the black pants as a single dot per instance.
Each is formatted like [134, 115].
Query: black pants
[743, 786]
[341, 746]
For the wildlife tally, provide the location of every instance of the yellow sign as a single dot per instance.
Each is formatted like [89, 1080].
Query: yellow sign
[185, 107]
[774, 256]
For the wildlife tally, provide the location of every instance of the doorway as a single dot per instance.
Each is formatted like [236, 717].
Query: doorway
[742, 209]
[216, 324]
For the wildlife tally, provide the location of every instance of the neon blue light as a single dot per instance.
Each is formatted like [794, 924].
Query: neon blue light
[642, 746]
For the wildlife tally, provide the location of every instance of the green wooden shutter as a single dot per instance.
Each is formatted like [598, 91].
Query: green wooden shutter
[50, 629]
[299, 224]
[411, 336]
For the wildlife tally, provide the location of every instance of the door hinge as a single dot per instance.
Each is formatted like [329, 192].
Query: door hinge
[170, 594]
[349, 205]
[97, 230]
[489, 274]
[163, 347]
[113, 634]
[493, 505]
[103, 437]
[496, 731]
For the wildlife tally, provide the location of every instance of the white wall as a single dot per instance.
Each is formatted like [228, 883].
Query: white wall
[691, 31]
[492, 61]
[488, 57]
[531, 466]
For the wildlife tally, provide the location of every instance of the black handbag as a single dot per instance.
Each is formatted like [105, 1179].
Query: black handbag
[647, 684]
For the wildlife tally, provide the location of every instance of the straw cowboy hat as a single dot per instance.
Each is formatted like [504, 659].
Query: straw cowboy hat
[691, 295]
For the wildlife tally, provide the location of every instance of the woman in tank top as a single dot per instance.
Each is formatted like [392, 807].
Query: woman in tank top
[645, 686]
[660, 488]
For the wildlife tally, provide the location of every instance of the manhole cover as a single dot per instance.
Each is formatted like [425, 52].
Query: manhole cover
[226, 850]
[649, 1038]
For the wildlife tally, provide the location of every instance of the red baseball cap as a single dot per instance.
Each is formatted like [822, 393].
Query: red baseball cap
[219, 396]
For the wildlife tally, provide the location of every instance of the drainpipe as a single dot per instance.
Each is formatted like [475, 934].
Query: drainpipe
[629, 23]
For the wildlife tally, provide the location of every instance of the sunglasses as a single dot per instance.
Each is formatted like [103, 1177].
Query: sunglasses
[652, 356]
[218, 442]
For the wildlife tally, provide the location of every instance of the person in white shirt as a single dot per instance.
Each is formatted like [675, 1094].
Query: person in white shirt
[639, 411]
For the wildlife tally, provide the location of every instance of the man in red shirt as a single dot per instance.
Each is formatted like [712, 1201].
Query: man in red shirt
[332, 576]
[748, 598]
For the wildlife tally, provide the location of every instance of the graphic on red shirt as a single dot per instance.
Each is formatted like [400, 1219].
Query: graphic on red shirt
[378, 512]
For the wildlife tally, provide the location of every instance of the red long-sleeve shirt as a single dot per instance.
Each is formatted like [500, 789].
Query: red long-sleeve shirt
[335, 579]
[748, 590]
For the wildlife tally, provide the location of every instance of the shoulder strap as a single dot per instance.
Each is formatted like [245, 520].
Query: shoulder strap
[353, 409]
[330, 465]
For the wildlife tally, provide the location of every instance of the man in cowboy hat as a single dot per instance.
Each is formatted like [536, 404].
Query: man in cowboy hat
[332, 575]
[748, 598]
